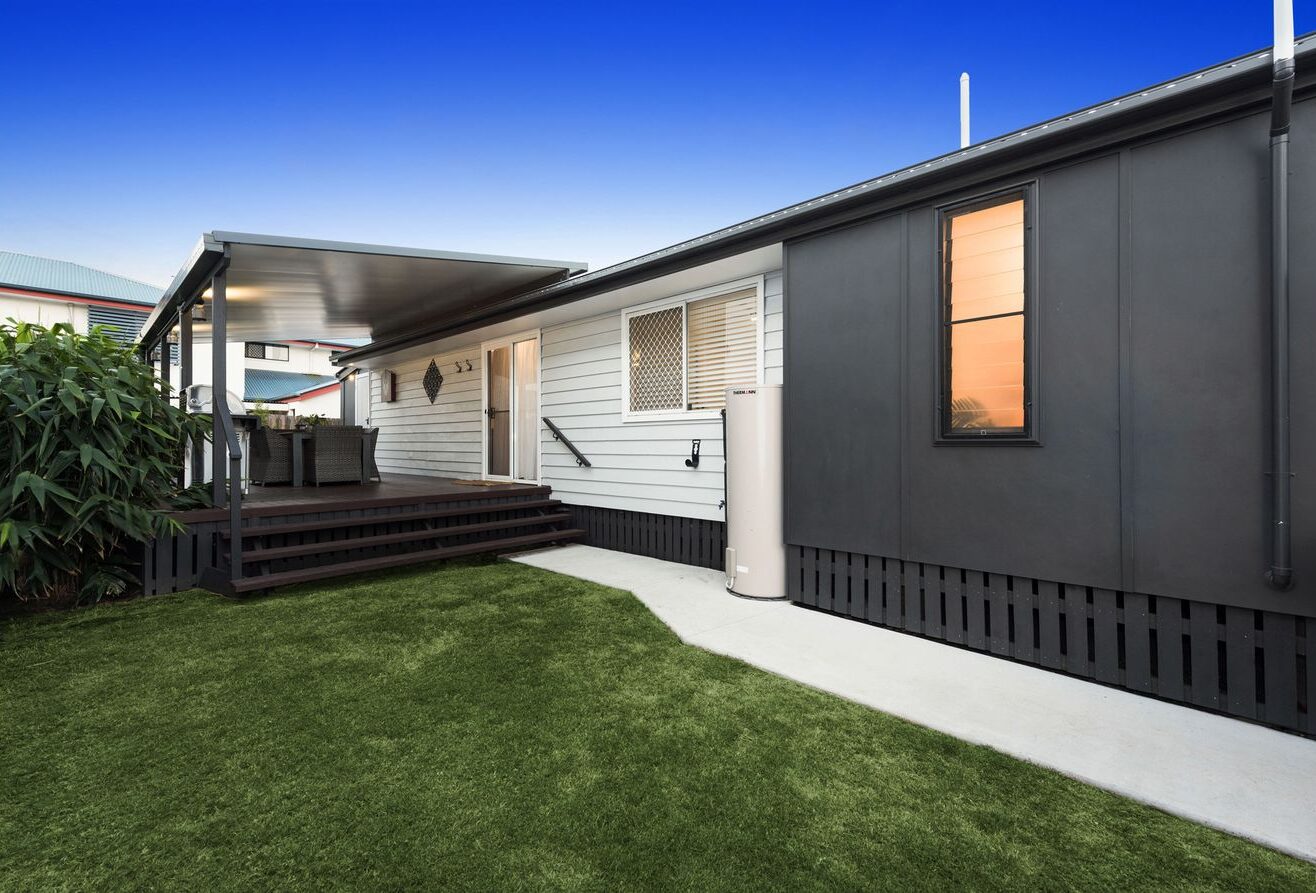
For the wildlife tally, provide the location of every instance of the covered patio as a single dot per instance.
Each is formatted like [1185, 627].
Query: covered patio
[240, 287]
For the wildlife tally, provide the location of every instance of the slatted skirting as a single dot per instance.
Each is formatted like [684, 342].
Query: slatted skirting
[686, 540]
[174, 563]
[1257, 665]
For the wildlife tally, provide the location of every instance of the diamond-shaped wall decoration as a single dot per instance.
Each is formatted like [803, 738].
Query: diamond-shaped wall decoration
[433, 381]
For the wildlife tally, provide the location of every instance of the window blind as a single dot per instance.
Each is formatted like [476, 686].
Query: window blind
[722, 350]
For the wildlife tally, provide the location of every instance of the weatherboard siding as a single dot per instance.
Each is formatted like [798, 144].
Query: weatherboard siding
[635, 466]
[417, 437]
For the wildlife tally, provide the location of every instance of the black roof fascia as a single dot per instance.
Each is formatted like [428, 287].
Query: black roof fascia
[1217, 90]
[190, 281]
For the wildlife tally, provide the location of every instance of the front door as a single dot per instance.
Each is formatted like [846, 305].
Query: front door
[511, 408]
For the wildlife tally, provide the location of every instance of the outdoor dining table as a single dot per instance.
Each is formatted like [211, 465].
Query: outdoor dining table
[299, 438]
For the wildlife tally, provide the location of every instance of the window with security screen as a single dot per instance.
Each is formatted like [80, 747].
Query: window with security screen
[657, 365]
[985, 309]
[256, 350]
[683, 355]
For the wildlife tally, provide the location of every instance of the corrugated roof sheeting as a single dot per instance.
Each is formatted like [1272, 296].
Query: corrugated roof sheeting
[45, 274]
[270, 384]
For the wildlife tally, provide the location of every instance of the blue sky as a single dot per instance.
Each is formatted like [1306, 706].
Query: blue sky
[574, 131]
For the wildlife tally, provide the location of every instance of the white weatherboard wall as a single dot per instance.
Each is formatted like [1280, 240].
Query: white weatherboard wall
[441, 439]
[44, 312]
[636, 466]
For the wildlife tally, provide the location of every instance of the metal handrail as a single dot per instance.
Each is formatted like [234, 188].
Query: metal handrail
[558, 435]
[234, 449]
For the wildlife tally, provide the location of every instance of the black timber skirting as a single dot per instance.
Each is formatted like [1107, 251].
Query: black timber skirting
[176, 562]
[687, 540]
[1256, 665]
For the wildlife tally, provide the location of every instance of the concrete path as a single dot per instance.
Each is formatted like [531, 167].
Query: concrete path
[1241, 778]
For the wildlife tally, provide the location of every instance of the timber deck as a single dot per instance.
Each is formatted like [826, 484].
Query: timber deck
[300, 534]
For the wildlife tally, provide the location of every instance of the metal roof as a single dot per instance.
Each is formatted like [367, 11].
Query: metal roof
[263, 385]
[282, 288]
[822, 211]
[66, 278]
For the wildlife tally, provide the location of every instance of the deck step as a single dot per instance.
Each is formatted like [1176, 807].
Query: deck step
[274, 553]
[399, 518]
[364, 565]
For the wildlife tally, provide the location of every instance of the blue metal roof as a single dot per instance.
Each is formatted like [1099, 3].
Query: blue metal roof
[44, 274]
[264, 385]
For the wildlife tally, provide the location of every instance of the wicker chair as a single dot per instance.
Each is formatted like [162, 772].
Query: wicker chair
[372, 470]
[271, 457]
[333, 455]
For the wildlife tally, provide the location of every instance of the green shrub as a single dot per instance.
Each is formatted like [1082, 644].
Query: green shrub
[91, 451]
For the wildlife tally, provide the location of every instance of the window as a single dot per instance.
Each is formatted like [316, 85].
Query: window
[257, 350]
[683, 354]
[985, 387]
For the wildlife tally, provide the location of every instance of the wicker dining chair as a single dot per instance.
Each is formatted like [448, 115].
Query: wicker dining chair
[271, 457]
[372, 470]
[333, 455]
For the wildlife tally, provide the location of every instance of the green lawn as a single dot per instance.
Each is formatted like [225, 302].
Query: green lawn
[494, 726]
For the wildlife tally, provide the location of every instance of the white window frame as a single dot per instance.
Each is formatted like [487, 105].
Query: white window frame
[712, 291]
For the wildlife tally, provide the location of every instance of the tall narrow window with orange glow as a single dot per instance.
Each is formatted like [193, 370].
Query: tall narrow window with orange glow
[983, 287]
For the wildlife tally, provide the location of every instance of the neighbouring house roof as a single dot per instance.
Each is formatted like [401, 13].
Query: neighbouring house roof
[269, 385]
[67, 278]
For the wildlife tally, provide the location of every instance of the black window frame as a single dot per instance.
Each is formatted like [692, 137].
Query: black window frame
[264, 351]
[1029, 434]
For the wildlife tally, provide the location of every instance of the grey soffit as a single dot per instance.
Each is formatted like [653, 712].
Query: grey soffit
[66, 278]
[767, 227]
[282, 288]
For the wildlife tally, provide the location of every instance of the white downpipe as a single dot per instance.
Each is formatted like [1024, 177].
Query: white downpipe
[1283, 30]
[964, 102]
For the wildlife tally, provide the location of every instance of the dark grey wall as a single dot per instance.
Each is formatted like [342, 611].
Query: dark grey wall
[1152, 314]
[847, 427]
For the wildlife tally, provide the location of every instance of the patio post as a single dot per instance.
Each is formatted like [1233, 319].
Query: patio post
[218, 381]
[184, 382]
[164, 363]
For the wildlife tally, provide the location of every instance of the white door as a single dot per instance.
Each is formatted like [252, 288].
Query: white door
[361, 394]
[511, 408]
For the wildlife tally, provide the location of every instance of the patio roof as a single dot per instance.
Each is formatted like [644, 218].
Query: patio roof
[281, 288]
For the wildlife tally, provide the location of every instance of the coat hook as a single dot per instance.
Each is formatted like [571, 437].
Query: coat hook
[693, 461]
[468, 366]
[459, 365]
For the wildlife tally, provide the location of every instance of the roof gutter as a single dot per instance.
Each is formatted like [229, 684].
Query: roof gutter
[190, 281]
[1100, 125]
